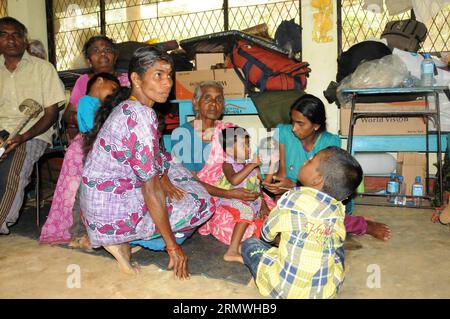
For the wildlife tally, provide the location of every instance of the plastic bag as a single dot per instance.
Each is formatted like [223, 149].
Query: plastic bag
[389, 71]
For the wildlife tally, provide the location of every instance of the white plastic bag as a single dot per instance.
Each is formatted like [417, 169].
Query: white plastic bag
[389, 71]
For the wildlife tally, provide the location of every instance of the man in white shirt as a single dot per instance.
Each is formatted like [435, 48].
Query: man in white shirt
[23, 76]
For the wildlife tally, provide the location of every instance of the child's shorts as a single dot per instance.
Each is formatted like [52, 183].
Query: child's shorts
[242, 211]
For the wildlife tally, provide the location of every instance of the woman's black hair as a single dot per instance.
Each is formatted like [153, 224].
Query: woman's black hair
[96, 38]
[142, 59]
[313, 109]
[103, 75]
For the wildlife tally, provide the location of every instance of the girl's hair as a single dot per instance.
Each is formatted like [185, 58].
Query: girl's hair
[313, 109]
[102, 114]
[89, 43]
[105, 76]
[229, 136]
[142, 59]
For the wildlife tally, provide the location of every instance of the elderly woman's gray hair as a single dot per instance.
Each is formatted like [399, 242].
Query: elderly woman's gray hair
[198, 89]
[36, 48]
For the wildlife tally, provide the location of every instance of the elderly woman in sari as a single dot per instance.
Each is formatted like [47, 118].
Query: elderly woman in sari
[196, 144]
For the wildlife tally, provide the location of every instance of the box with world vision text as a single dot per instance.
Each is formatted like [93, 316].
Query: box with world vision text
[186, 81]
[379, 126]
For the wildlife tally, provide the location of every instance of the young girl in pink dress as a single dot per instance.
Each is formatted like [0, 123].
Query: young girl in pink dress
[57, 227]
[239, 171]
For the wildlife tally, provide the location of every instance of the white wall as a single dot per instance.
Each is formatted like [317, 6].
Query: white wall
[322, 58]
[32, 14]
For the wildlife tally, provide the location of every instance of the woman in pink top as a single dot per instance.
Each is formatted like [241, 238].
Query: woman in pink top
[102, 55]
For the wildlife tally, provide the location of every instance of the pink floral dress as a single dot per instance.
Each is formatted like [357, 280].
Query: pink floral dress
[222, 223]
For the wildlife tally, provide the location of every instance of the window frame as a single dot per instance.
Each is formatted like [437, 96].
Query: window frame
[103, 25]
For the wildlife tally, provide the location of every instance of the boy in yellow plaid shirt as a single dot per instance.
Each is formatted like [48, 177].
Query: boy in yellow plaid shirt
[309, 261]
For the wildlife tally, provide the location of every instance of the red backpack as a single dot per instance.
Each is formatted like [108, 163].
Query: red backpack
[269, 70]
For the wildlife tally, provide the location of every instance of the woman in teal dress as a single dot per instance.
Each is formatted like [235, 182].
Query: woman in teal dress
[298, 142]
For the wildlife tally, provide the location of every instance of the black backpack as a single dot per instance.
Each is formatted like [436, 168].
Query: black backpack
[405, 35]
[358, 53]
[288, 36]
[349, 60]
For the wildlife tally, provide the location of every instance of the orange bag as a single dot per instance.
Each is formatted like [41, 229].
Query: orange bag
[269, 70]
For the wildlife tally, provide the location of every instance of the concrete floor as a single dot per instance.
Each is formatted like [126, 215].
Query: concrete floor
[415, 263]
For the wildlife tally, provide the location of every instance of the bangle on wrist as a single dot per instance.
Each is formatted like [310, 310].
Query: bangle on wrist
[176, 247]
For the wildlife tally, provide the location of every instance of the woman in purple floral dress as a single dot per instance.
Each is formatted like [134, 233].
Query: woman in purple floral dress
[126, 173]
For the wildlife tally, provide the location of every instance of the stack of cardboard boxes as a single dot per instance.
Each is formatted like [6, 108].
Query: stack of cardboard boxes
[186, 81]
[409, 165]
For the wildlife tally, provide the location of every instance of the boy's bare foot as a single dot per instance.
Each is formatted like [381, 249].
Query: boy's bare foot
[232, 255]
[122, 253]
[135, 249]
[378, 230]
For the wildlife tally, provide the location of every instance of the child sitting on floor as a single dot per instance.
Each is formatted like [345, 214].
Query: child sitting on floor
[309, 261]
[240, 172]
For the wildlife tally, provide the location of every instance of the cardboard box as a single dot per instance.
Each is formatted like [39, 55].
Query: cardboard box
[185, 82]
[410, 165]
[203, 61]
[384, 125]
[232, 84]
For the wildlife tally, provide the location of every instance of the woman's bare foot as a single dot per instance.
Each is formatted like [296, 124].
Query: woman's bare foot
[81, 242]
[85, 243]
[378, 230]
[233, 255]
[122, 253]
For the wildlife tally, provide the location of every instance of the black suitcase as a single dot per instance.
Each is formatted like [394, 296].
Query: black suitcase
[405, 35]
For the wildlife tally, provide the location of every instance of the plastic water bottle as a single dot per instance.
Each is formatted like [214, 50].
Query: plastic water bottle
[268, 150]
[401, 196]
[427, 71]
[392, 188]
[417, 192]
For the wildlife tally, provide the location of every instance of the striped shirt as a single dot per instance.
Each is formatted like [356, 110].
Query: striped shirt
[309, 262]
